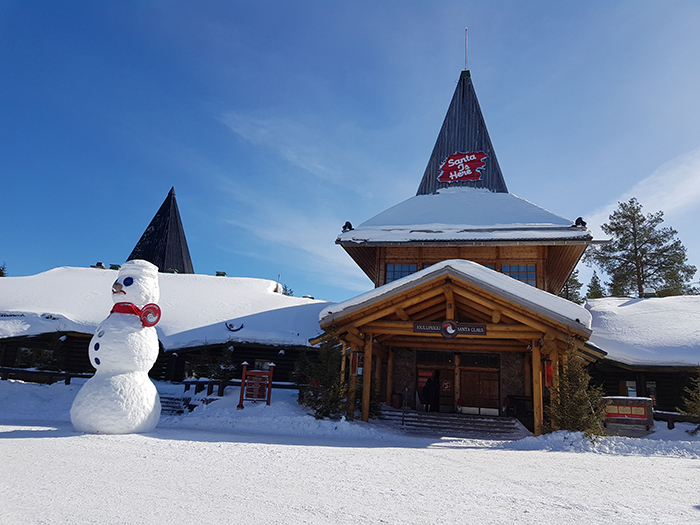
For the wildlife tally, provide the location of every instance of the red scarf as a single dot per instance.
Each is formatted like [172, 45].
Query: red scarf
[149, 314]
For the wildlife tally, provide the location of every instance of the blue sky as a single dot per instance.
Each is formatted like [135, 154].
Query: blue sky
[278, 121]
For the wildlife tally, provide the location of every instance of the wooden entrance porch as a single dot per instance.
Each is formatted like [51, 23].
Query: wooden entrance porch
[460, 312]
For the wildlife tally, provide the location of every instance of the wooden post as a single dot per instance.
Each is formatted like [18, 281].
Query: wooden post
[367, 377]
[378, 374]
[342, 361]
[554, 357]
[390, 376]
[528, 375]
[352, 387]
[457, 381]
[537, 387]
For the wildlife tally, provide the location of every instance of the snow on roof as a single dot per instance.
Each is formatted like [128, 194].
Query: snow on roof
[195, 307]
[500, 284]
[465, 214]
[658, 331]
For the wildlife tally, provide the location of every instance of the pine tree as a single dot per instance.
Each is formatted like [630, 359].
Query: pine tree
[595, 288]
[286, 290]
[321, 385]
[641, 254]
[692, 403]
[571, 288]
[3, 270]
[576, 405]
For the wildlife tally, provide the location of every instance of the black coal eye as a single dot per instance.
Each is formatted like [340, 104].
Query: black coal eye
[128, 281]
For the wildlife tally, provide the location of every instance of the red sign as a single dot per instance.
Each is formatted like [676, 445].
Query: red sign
[256, 385]
[626, 412]
[462, 166]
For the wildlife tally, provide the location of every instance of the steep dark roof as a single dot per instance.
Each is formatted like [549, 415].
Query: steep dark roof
[164, 243]
[463, 131]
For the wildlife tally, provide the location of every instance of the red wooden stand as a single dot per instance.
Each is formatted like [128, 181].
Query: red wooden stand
[256, 385]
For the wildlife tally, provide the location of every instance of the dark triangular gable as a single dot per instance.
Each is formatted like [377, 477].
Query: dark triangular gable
[463, 130]
[164, 243]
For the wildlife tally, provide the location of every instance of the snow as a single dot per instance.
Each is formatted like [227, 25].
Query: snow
[279, 465]
[500, 284]
[661, 331]
[194, 308]
[465, 214]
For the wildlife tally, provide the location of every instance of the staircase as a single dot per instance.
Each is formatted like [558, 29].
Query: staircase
[177, 406]
[454, 424]
[174, 406]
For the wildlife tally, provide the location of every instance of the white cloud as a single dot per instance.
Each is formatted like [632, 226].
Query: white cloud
[291, 140]
[307, 234]
[673, 188]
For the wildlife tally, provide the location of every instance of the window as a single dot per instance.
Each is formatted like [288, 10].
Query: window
[522, 272]
[396, 271]
[478, 360]
[434, 358]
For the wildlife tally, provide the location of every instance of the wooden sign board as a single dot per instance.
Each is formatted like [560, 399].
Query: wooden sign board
[256, 385]
[450, 328]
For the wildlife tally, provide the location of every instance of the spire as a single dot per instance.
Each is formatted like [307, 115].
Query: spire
[164, 243]
[463, 154]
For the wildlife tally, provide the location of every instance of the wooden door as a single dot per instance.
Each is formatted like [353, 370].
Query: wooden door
[479, 389]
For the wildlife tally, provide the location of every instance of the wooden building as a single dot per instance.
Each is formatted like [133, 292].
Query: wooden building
[461, 253]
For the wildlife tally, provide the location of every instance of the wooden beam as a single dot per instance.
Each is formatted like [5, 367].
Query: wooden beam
[367, 378]
[404, 303]
[354, 339]
[537, 388]
[467, 310]
[496, 317]
[439, 299]
[434, 312]
[493, 331]
[460, 345]
[450, 303]
[401, 313]
[342, 361]
[390, 376]
[378, 375]
[457, 381]
[352, 388]
[514, 314]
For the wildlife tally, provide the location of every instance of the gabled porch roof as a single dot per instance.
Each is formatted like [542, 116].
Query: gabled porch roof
[501, 288]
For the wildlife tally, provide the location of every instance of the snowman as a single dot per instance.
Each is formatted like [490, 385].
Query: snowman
[120, 398]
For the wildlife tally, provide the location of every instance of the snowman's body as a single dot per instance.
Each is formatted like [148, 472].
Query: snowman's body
[120, 398]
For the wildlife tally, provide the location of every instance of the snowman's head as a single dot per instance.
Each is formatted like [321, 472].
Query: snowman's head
[137, 283]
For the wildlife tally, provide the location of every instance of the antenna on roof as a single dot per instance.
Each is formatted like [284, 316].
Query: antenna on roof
[466, 45]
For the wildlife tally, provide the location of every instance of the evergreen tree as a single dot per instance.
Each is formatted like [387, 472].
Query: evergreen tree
[3, 270]
[641, 254]
[286, 290]
[595, 288]
[576, 405]
[321, 385]
[692, 403]
[571, 289]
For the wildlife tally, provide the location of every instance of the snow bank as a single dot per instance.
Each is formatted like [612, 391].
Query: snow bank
[654, 331]
[283, 416]
[50, 405]
[196, 308]
[676, 443]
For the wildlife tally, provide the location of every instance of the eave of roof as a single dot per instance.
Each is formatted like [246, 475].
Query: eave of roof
[463, 216]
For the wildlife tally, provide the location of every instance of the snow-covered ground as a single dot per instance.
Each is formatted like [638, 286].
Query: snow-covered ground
[279, 465]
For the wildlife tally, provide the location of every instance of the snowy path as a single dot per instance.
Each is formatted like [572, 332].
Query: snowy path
[277, 465]
[50, 474]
